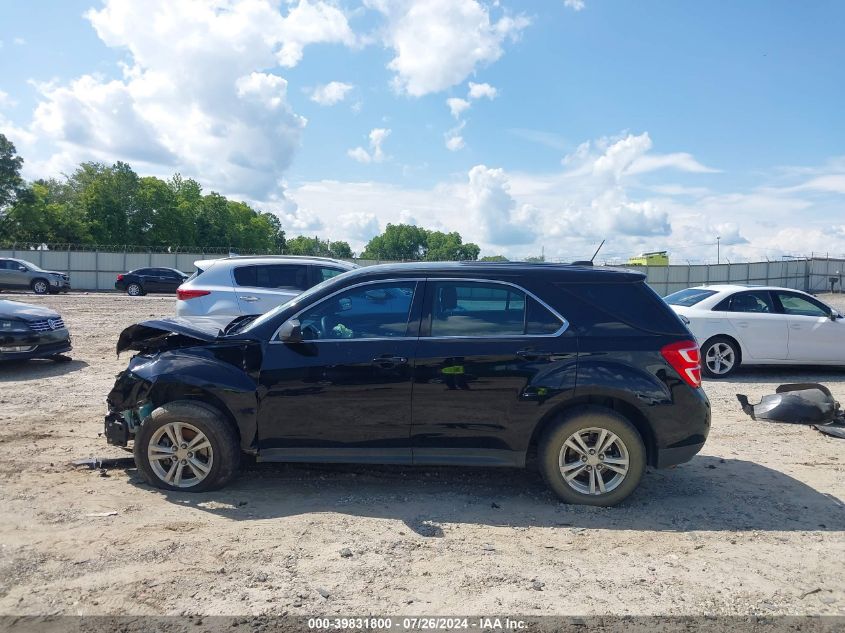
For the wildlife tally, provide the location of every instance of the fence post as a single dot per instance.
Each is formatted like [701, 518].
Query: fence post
[807, 274]
[97, 268]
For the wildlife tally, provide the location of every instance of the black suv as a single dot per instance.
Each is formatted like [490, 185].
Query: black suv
[584, 369]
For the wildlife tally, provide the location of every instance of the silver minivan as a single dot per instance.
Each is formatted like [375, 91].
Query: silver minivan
[234, 286]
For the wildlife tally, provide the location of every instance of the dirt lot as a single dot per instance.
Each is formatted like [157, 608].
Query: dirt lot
[754, 524]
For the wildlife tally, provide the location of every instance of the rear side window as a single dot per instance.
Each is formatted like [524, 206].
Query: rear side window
[618, 309]
[688, 297]
[480, 309]
[272, 276]
[197, 273]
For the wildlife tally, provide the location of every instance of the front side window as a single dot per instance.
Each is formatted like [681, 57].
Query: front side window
[759, 302]
[800, 306]
[272, 276]
[369, 311]
[327, 273]
[487, 309]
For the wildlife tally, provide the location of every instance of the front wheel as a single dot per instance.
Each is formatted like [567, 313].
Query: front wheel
[720, 357]
[187, 446]
[592, 457]
[40, 287]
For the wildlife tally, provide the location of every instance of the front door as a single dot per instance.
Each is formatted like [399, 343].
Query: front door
[490, 355]
[761, 328]
[813, 336]
[344, 393]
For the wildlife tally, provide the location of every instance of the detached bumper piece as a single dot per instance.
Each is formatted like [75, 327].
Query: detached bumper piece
[802, 403]
[116, 430]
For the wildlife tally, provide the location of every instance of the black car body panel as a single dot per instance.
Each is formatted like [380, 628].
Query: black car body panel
[423, 399]
[38, 328]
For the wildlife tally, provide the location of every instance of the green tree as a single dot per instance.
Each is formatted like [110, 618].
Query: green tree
[494, 258]
[449, 247]
[11, 183]
[398, 242]
[341, 250]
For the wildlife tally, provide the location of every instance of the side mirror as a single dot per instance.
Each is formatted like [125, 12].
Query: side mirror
[834, 315]
[290, 332]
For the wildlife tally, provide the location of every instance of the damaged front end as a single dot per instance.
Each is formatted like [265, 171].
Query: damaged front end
[182, 359]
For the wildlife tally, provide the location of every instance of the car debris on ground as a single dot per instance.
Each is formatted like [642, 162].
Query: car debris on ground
[799, 403]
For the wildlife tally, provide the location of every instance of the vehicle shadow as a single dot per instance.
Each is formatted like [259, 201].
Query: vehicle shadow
[707, 493]
[19, 370]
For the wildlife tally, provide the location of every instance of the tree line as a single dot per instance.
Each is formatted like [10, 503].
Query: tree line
[99, 204]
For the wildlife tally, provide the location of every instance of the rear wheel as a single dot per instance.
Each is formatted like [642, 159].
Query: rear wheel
[40, 286]
[134, 290]
[187, 446]
[592, 457]
[719, 357]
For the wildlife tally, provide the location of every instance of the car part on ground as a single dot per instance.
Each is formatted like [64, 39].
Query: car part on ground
[234, 286]
[141, 281]
[19, 274]
[30, 331]
[799, 403]
[585, 368]
[759, 325]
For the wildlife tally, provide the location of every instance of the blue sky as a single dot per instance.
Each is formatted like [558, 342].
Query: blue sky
[656, 125]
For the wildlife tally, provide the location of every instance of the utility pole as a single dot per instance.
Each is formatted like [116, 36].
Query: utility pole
[718, 256]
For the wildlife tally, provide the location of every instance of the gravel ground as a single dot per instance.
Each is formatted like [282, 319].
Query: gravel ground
[753, 525]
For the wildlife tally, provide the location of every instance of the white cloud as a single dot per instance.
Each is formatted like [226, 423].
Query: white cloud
[575, 5]
[358, 226]
[455, 143]
[5, 100]
[19, 41]
[311, 23]
[679, 160]
[331, 93]
[495, 211]
[457, 106]
[477, 91]
[439, 43]
[376, 154]
[197, 93]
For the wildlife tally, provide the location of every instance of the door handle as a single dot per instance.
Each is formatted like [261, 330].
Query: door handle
[530, 354]
[389, 362]
[742, 323]
[249, 298]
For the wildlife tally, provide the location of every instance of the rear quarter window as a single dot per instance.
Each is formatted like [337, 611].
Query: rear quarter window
[617, 309]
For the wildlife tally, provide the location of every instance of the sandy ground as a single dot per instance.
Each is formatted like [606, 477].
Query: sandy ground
[752, 525]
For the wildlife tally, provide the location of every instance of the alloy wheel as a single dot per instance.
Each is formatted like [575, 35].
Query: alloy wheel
[720, 358]
[180, 454]
[593, 461]
[133, 290]
[40, 287]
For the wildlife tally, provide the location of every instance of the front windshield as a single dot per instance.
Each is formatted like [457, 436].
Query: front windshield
[299, 299]
[688, 297]
[31, 266]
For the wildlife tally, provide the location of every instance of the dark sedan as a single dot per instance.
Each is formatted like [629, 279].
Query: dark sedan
[143, 280]
[28, 331]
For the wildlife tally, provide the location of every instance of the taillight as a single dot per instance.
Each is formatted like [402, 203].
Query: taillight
[685, 358]
[187, 293]
[120, 277]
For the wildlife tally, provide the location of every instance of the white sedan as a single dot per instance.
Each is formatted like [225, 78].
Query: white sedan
[755, 325]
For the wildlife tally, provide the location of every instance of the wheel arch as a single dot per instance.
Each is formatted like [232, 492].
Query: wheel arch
[583, 403]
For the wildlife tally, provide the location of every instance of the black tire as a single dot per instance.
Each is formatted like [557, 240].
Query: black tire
[552, 445]
[225, 447]
[60, 358]
[40, 286]
[135, 290]
[718, 344]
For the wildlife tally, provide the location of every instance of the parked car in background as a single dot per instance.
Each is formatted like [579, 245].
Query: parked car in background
[19, 274]
[233, 286]
[462, 363]
[145, 280]
[757, 325]
[28, 331]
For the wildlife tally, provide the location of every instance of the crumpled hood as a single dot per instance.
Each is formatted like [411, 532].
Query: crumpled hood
[25, 311]
[153, 334]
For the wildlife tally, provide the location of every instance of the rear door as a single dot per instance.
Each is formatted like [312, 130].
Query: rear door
[169, 280]
[262, 287]
[758, 323]
[489, 356]
[813, 336]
